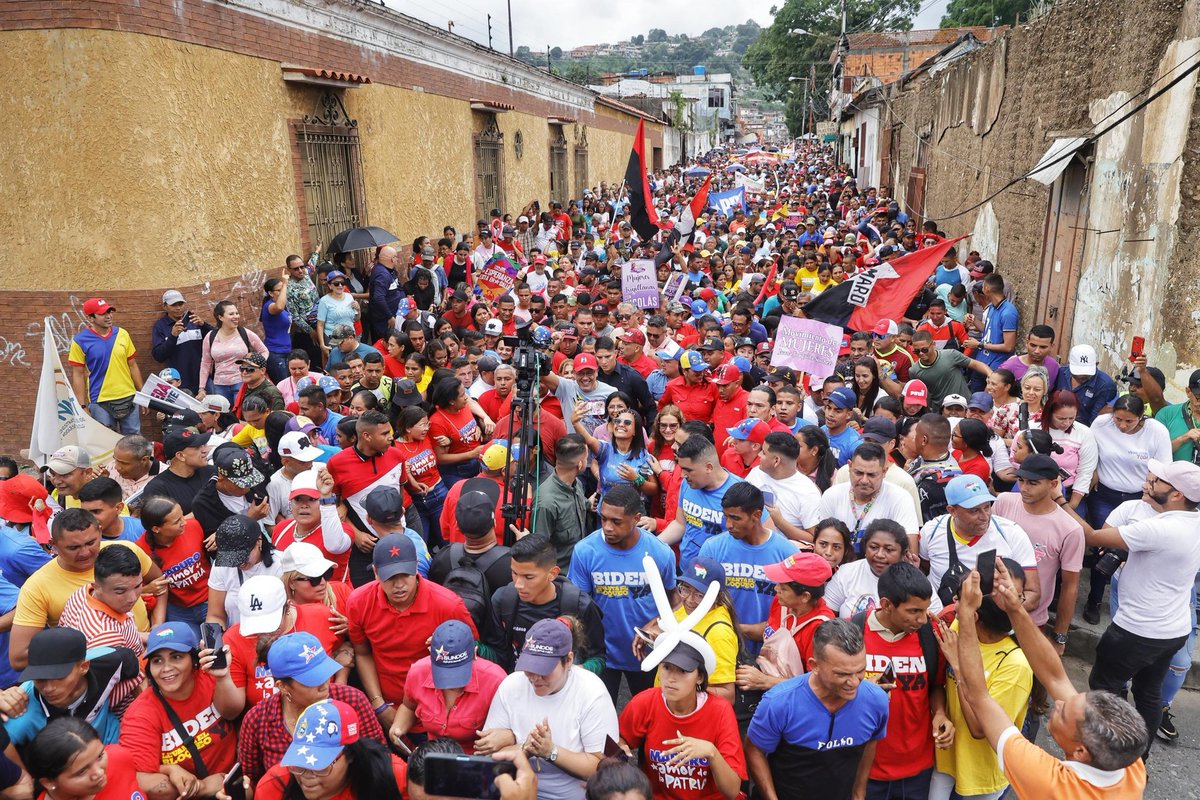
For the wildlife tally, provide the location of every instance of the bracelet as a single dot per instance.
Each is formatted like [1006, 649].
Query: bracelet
[329, 501]
[384, 706]
[638, 482]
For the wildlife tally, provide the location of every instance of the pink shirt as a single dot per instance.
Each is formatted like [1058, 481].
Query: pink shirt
[1057, 544]
[219, 361]
[468, 714]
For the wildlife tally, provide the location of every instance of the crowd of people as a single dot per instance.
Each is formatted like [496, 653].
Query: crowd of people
[715, 576]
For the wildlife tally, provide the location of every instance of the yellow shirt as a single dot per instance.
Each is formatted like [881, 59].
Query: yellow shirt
[250, 436]
[972, 761]
[717, 630]
[819, 287]
[44, 594]
[806, 278]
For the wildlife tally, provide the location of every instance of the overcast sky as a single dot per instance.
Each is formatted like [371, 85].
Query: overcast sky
[572, 23]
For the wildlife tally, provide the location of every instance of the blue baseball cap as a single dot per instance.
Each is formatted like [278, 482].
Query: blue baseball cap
[322, 732]
[981, 401]
[176, 636]
[300, 657]
[394, 554]
[699, 308]
[967, 491]
[753, 429]
[665, 356]
[305, 382]
[742, 363]
[169, 374]
[452, 655]
[690, 359]
[703, 571]
[842, 398]
[328, 383]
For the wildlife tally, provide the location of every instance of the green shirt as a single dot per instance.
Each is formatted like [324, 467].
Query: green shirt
[1179, 420]
[943, 377]
[561, 514]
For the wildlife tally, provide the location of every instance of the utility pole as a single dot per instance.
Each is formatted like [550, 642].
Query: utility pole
[489, 16]
[510, 39]
[549, 68]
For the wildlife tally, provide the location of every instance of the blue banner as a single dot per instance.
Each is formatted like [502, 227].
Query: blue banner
[728, 202]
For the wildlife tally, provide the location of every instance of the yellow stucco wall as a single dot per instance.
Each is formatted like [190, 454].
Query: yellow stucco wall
[105, 167]
[139, 161]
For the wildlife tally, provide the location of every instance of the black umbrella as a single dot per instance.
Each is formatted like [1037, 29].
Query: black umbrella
[360, 239]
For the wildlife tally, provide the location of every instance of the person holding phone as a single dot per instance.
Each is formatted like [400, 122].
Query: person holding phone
[177, 339]
[329, 757]
[186, 718]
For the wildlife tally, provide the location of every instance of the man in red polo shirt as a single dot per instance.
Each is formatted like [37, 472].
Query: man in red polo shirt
[748, 437]
[731, 398]
[392, 618]
[633, 352]
[504, 381]
[694, 395]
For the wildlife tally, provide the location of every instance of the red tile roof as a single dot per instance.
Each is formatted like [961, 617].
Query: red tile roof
[328, 74]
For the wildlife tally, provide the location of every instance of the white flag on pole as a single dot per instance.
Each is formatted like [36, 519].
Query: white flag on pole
[58, 419]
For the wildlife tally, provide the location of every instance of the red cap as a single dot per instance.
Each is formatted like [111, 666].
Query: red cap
[763, 347]
[725, 374]
[805, 568]
[633, 336]
[706, 294]
[885, 327]
[916, 393]
[585, 361]
[845, 348]
[539, 259]
[96, 306]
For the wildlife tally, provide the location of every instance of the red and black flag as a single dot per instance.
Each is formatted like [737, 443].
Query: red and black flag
[685, 231]
[641, 201]
[883, 291]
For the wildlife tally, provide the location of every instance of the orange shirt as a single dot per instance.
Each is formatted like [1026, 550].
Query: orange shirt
[1035, 773]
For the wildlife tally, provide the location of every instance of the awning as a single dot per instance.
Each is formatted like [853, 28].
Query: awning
[315, 76]
[1051, 165]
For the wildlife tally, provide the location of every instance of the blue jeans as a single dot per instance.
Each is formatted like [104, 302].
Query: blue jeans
[229, 392]
[430, 508]
[277, 368]
[132, 423]
[463, 470]
[191, 616]
[1181, 662]
[914, 787]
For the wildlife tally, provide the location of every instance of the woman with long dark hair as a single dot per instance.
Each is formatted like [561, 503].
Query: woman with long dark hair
[1079, 455]
[866, 385]
[833, 542]
[176, 546]
[816, 460]
[453, 421]
[329, 758]
[971, 441]
[425, 484]
[623, 460]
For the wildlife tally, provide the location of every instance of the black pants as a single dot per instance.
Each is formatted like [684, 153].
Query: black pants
[638, 681]
[1123, 656]
[303, 341]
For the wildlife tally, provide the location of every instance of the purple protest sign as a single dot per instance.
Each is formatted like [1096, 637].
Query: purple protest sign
[807, 345]
[639, 283]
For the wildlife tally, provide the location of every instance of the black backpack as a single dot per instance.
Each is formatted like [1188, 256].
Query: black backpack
[467, 578]
[571, 601]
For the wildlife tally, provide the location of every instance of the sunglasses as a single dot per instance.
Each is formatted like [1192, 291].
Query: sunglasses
[337, 283]
[666, 426]
[623, 317]
[248, 369]
[318, 580]
[920, 351]
[624, 423]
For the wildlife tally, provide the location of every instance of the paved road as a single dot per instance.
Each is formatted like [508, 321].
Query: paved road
[1174, 766]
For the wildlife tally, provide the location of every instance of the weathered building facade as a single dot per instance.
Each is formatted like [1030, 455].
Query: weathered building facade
[1110, 249]
[193, 144]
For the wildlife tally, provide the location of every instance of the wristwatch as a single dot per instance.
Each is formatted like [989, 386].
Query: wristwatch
[553, 755]
[1060, 638]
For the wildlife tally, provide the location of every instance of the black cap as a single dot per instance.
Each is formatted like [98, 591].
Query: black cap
[183, 418]
[236, 537]
[1038, 467]
[235, 464]
[181, 439]
[462, 247]
[712, 344]
[685, 657]
[782, 375]
[459, 294]
[53, 653]
[476, 509]
[384, 505]
[405, 393]
[879, 429]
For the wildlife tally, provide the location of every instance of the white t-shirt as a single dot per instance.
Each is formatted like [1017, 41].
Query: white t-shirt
[278, 489]
[854, 588]
[1124, 458]
[581, 717]
[895, 475]
[1157, 580]
[797, 498]
[891, 503]
[1003, 535]
[226, 579]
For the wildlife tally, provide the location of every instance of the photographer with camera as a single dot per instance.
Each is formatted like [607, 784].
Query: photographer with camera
[1154, 617]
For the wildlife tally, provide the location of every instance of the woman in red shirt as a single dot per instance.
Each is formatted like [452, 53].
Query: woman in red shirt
[687, 738]
[182, 679]
[176, 545]
[308, 577]
[425, 483]
[458, 459]
[972, 448]
[329, 760]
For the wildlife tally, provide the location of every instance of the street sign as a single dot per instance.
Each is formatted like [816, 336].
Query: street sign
[824, 129]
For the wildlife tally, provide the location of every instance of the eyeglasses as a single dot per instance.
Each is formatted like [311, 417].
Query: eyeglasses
[625, 423]
[667, 426]
[248, 369]
[920, 351]
[337, 283]
[319, 579]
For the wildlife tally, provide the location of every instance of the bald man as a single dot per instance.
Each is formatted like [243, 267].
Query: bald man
[385, 291]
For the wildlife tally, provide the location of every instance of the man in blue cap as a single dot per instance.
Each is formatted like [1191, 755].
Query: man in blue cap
[839, 409]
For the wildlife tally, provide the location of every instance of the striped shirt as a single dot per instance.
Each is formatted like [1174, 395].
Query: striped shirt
[99, 624]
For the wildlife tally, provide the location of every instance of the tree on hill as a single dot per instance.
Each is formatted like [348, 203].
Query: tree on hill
[638, 40]
[963, 13]
[656, 35]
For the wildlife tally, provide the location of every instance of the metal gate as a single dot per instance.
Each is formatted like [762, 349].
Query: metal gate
[489, 167]
[331, 167]
[558, 165]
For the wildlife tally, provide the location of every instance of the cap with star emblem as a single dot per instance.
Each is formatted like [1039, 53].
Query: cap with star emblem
[452, 654]
[546, 644]
[300, 657]
[395, 554]
[322, 732]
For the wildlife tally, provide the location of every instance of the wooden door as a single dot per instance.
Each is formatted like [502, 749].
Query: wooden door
[1062, 250]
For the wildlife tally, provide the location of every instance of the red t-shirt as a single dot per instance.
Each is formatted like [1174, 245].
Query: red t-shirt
[451, 533]
[733, 462]
[491, 401]
[185, 564]
[646, 723]
[152, 740]
[979, 465]
[644, 365]
[392, 368]
[420, 460]
[285, 537]
[461, 322]
[728, 413]
[908, 748]
[901, 359]
[273, 784]
[397, 638]
[695, 401]
[459, 427]
[256, 678]
[550, 429]
[121, 776]
[549, 404]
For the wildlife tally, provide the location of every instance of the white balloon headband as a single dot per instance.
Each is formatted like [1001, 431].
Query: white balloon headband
[674, 632]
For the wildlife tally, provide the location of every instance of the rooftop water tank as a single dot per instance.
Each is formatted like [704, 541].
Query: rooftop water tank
[698, 70]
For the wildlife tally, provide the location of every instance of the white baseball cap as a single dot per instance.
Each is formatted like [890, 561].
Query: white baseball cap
[304, 485]
[305, 558]
[216, 403]
[493, 327]
[172, 296]
[1083, 360]
[297, 445]
[67, 459]
[261, 601]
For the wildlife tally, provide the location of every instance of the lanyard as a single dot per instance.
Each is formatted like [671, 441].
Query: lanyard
[859, 517]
